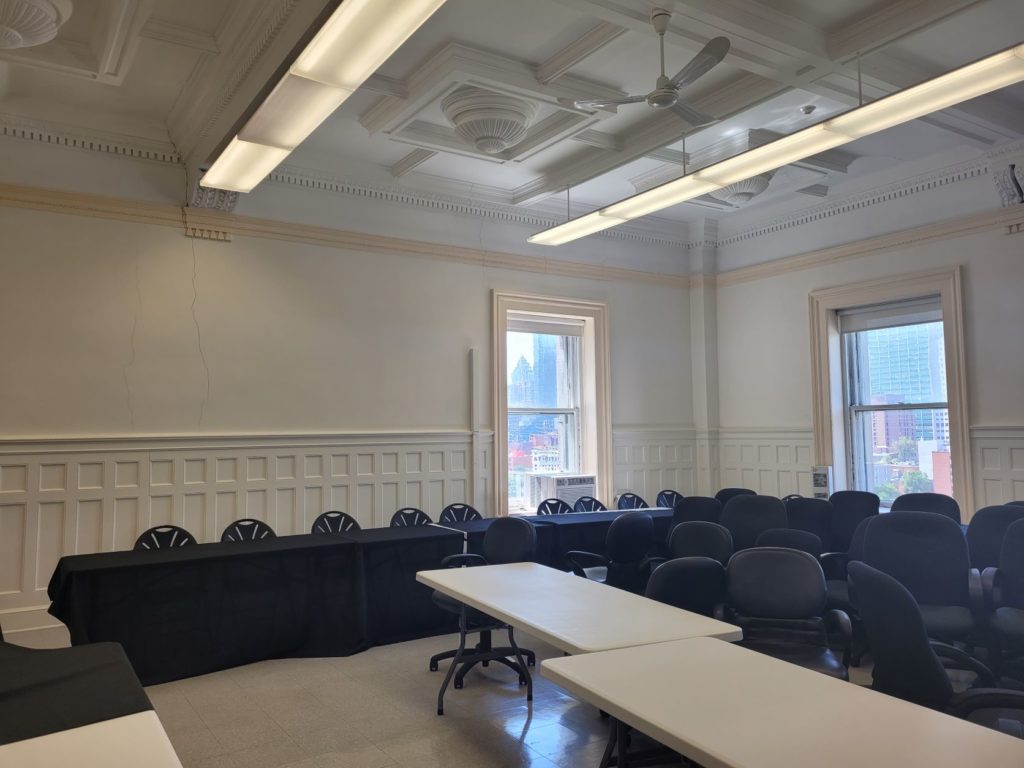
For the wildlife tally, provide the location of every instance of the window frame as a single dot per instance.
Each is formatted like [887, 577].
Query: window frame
[594, 385]
[827, 363]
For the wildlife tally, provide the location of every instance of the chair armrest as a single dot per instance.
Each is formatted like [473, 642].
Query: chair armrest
[964, 661]
[990, 588]
[962, 704]
[839, 621]
[834, 565]
[462, 561]
[576, 561]
[652, 562]
[975, 591]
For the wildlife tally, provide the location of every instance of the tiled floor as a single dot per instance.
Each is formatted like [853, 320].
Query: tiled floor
[376, 710]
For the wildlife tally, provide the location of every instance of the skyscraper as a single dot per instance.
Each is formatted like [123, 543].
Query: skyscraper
[545, 369]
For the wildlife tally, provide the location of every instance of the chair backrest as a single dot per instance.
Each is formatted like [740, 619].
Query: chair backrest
[164, 537]
[692, 508]
[410, 517]
[588, 504]
[692, 583]
[459, 513]
[848, 509]
[771, 583]
[1017, 503]
[747, 517]
[630, 500]
[856, 549]
[725, 494]
[789, 497]
[668, 498]
[699, 538]
[925, 552]
[553, 507]
[334, 521]
[1011, 566]
[247, 529]
[986, 531]
[811, 515]
[905, 664]
[938, 503]
[629, 537]
[791, 538]
[509, 540]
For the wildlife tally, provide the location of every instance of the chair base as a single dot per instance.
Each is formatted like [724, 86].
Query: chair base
[483, 653]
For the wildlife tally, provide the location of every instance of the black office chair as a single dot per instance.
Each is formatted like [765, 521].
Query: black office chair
[164, 537]
[627, 542]
[410, 517]
[938, 503]
[789, 497]
[588, 504]
[790, 538]
[1004, 592]
[849, 508]
[334, 521]
[777, 596]
[909, 665]
[725, 494]
[834, 564]
[692, 583]
[811, 515]
[926, 552]
[507, 540]
[1017, 503]
[986, 531]
[459, 513]
[747, 517]
[668, 499]
[694, 508]
[553, 507]
[698, 538]
[247, 529]
[629, 501]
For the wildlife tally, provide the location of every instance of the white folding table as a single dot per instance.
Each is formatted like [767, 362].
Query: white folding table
[124, 742]
[724, 706]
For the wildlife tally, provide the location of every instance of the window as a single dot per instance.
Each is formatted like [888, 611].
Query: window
[551, 394]
[895, 397]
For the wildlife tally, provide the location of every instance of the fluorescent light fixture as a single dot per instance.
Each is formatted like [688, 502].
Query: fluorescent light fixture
[291, 112]
[575, 228]
[981, 77]
[243, 165]
[358, 37]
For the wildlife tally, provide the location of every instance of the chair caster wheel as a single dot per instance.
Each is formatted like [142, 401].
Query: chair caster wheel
[522, 681]
[433, 666]
[531, 663]
[458, 684]
[440, 711]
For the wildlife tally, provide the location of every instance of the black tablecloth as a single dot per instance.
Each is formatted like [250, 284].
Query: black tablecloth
[45, 691]
[193, 610]
[586, 531]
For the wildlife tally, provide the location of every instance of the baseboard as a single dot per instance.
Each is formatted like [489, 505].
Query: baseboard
[33, 628]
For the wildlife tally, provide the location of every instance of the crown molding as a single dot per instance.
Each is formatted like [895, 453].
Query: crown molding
[55, 134]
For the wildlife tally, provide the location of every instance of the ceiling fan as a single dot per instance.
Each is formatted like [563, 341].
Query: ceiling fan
[666, 91]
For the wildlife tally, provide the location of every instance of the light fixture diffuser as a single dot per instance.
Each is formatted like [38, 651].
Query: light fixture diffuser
[242, 165]
[292, 111]
[665, 195]
[576, 228]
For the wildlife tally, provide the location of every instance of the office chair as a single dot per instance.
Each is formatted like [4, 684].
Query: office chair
[588, 504]
[748, 516]
[247, 529]
[725, 494]
[777, 596]
[937, 503]
[334, 521]
[410, 517]
[811, 515]
[849, 508]
[909, 665]
[692, 508]
[164, 537]
[1004, 592]
[926, 552]
[692, 583]
[629, 501]
[459, 513]
[507, 540]
[553, 507]
[697, 538]
[790, 538]
[986, 531]
[1017, 503]
[668, 499]
[834, 564]
[627, 542]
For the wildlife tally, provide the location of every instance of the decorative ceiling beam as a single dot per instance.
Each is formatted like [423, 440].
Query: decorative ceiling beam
[178, 34]
[410, 161]
[889, 22]
[599, 139]
[385, 86]
[578, 50]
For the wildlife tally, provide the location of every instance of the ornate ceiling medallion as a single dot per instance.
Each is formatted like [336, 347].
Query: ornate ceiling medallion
[492, 122]
[743, 192]
[24, 23]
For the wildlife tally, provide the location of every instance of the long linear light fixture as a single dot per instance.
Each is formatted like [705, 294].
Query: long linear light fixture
[981, 77]
[353, 43]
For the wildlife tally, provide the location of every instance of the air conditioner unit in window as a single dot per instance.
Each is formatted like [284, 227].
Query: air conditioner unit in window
[568, 488]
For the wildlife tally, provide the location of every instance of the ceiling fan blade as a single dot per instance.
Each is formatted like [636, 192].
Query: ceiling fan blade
[694, 117]
[710, 55]
[602, 103]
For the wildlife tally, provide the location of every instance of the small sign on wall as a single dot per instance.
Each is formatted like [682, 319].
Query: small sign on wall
[821, 482]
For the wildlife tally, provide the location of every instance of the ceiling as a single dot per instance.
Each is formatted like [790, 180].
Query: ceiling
[156, 70]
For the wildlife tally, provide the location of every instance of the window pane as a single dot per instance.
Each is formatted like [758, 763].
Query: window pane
[543, 370]
[538, 442]
[891, 366]
[902, 451]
